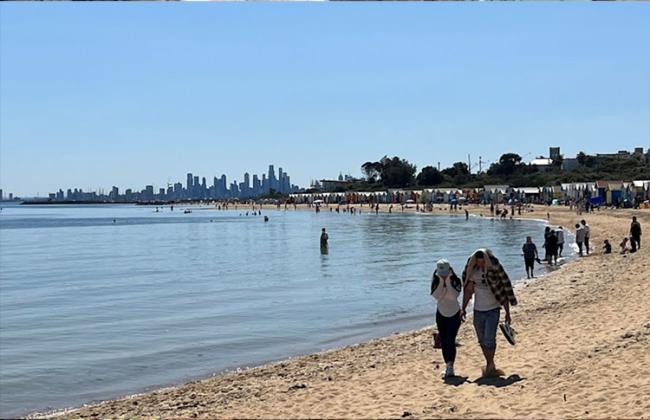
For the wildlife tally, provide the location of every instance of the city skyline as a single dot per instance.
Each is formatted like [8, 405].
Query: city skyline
[321, 89]
[196, 187]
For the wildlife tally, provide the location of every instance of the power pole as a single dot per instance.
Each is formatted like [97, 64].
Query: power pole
[469, 163]
[438, 166]
[480, 164]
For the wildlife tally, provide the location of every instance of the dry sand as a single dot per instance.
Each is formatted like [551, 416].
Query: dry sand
[583, 352]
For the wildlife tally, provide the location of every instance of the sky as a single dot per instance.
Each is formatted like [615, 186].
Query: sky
[129, 94]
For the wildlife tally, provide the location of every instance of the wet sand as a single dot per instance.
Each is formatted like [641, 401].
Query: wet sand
[582, 351]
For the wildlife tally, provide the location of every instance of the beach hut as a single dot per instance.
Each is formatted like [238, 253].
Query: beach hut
[527, 194]
[641, 190]
[611, 192]
[495, 193]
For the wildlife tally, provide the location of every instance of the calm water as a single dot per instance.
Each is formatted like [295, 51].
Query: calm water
[91, 309]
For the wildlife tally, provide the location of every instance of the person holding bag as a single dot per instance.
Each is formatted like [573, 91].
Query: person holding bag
[445, 289]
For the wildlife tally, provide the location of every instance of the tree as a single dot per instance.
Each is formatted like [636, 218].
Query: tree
[429, 176]
[396, 172]
[457, 170]
[371, 170]
[586, 160]
[507, 165]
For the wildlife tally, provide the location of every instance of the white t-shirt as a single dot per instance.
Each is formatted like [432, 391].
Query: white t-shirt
[484, 299]
[560, 236]
[447, 298]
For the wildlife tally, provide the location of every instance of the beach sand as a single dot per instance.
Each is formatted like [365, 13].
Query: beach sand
[583, 351]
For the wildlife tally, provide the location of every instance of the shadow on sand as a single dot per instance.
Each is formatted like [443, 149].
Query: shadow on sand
[499, 382]
[456, 380]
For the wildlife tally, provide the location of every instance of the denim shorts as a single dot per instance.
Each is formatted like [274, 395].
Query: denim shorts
[486, 324]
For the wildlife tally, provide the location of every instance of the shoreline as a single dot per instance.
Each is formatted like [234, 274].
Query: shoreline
[149, 403]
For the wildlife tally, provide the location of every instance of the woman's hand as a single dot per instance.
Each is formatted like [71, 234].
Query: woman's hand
[463, 315]
[508, 319]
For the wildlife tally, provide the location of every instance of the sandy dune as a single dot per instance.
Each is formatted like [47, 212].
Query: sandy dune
[583, 352]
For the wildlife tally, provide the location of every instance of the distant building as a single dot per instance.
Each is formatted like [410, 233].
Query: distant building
[542, 163]
[554, 153]
[569, 164]
[332, 184]
[638, 150]
[620, 153]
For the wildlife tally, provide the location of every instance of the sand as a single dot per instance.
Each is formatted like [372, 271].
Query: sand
[582, 352]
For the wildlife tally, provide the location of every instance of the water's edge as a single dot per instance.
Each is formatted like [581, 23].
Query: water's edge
[518, 283]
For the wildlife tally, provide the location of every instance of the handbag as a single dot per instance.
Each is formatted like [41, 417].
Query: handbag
[437, 342]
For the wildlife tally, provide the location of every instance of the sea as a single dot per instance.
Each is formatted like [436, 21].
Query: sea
[100, 301]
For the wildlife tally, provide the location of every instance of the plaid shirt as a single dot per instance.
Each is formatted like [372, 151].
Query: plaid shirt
[498, 280]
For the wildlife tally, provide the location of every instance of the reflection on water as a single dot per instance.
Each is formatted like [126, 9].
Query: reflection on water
[91, 309]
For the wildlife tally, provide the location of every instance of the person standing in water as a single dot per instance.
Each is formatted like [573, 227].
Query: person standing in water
[560, 240]
[445, 289]
[485, 279]
[530, 255]
[324, 237]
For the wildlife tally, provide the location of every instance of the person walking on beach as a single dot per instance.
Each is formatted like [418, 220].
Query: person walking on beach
[580, 237]
[635, 233]
[530, 255]
[445, 289]
[485, 279]
[585, 226]
[466, 215]
[560, 240]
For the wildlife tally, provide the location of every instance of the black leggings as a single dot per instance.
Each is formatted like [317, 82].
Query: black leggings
[448, 329]
[530, 264]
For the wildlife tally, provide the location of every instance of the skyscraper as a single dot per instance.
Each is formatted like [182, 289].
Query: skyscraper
[256, 185]
[247, 185]
[223, 187]
[272, 180]
[189, 183]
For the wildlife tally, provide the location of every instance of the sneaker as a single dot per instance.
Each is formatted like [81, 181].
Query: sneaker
[449, 372]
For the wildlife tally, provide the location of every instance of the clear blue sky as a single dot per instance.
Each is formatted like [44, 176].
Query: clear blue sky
[128, 94]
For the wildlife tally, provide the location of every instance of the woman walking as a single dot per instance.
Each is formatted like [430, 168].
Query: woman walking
[445, 289]
[530, 255]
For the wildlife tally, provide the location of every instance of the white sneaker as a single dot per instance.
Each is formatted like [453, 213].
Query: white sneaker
[449, 372]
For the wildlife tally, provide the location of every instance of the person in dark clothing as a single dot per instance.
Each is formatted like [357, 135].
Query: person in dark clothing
[547, 234]
[324, 237]
[530, 255]
[607, 247]
[552, 248]
[635, 233]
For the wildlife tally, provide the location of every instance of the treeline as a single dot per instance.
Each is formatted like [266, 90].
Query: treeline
[396, 172]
